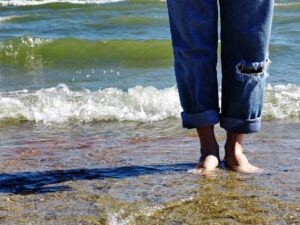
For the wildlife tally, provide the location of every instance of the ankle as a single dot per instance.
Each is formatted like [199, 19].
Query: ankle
[211, 151]
[233, 145]
[208, 142]
[209, 146]
[232, 148]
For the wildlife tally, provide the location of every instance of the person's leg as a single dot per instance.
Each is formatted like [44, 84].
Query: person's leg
[210, 158]
[234, 156]
[245, 34]
[194, 33]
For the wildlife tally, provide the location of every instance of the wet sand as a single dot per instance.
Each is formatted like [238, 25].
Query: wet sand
[137, 174]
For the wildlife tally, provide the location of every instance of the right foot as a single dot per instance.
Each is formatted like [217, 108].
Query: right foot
[209, 160]
[207, 165]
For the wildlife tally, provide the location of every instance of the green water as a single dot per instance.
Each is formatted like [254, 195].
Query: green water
[31, 54]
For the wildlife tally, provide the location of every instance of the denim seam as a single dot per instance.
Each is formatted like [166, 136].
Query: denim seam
[240, 125]
[198, 120]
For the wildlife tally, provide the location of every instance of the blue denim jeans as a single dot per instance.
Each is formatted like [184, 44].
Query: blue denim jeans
[245, 34]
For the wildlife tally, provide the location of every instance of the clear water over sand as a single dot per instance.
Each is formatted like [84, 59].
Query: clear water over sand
[111, 173]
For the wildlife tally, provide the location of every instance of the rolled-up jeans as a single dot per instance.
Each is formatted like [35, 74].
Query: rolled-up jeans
[245, 34]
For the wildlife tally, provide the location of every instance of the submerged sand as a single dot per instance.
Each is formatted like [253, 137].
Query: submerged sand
[138, 174]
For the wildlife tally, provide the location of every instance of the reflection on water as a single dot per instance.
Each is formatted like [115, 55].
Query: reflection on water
[137, 174]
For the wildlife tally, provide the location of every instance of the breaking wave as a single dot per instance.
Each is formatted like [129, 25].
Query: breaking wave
[143, 104]
[31, 52]
[41, 2]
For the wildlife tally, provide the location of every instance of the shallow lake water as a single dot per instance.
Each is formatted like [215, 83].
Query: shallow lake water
[90, 122]
[133, 173]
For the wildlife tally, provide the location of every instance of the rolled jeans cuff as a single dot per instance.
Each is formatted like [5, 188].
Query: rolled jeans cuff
[239, 125]
[199, 120]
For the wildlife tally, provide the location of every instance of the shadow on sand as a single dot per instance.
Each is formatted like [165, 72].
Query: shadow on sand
[37, 182]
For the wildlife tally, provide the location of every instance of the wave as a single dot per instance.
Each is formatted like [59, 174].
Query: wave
[37, 53]
[42, 2]
[143, 104]
[288, 4]
[130, 21]
[282, 102]
[6, 18]
[60, 105]
[81, 2]
[20, 19]
[30, 53]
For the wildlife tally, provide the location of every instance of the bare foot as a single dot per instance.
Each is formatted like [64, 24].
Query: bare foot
[234, 157]
[209, 160]
[207, 165]
[238, 162]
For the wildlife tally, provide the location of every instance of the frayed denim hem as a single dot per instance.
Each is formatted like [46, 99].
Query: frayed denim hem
[199, 120]
[240, 125]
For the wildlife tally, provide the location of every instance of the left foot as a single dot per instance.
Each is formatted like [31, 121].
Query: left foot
[234, 157]
[238, 162]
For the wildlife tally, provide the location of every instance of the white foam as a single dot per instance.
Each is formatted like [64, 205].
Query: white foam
[60, 105]
[282, 102]
[27, 41]
[41, 2]
[287, 4]
[4, 19]
[144, 104]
